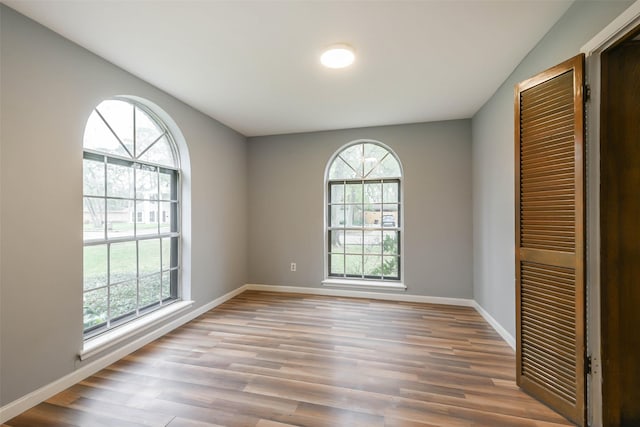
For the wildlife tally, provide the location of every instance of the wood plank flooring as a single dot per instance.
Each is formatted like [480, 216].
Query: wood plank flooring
[272, 360]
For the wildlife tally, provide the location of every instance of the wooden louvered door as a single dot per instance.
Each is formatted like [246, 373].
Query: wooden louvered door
[549, 112]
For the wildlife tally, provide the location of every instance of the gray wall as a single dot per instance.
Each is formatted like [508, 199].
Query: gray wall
[49, 87]
[286, 182]
[493, 158]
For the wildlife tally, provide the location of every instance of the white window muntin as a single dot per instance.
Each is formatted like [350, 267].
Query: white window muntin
[167, 238]
[362, 175]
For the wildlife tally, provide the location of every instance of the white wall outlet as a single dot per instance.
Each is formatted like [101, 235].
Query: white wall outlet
[293, 266]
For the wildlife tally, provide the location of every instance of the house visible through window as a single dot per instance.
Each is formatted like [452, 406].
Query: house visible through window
[130, 168]
[363, 232]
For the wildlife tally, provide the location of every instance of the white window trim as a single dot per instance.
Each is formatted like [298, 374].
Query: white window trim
[360, 283]
[112, 337]
[166, 308]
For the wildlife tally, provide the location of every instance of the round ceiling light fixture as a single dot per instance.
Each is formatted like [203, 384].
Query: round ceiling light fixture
[338, 56]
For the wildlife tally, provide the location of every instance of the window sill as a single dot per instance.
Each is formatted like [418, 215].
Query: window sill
[370, 284]
[97, 344]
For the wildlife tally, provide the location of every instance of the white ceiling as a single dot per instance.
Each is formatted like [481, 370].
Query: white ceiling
[254, 65]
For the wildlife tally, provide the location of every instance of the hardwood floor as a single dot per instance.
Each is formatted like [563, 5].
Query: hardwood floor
[271, 360]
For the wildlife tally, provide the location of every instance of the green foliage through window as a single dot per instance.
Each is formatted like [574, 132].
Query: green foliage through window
[364, 213]
[131, 229]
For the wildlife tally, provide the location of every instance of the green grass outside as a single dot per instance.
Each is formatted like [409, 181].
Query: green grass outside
[123, 268]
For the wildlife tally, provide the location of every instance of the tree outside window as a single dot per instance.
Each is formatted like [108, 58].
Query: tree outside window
[364, 213]
[130, 257]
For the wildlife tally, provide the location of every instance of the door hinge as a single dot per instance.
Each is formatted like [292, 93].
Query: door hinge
[588, 365]
[587, 93]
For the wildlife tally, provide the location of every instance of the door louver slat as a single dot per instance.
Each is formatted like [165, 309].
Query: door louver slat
[548, 174]
[550, 238]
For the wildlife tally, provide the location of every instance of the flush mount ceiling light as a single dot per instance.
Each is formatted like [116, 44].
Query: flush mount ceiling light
[338, 56]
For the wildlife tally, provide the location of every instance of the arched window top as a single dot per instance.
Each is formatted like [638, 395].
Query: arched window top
[363, 217]
[131, 215]
[126, 129]
[364, 160]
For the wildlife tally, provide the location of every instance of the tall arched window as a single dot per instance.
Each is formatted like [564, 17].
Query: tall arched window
[131, 215]
[363, 217]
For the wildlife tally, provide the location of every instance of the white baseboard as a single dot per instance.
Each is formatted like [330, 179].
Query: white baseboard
[497, 326]
[30, 400]
[362, 294]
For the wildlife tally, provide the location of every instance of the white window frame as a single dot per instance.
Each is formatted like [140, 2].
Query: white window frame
[362, 282]
[105, 336]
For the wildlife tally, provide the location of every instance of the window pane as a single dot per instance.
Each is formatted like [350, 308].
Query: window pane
[337, 241]
[93, 178]
[390, 266]
[373, 266]
[119, 115]
[340, 170]
[388, 168]
[147, 131]
[168, 217]
[353, 242]
[353, 265]
[166, 253]
[123, 261]
[372, 215]
[93, 218]
[120, 218]
[160, 153]
[166, 285]
[94, 266]
[165, 186]
[123, 299]
[149, 290]
[336, 265]
[353, 156]
[390, 243]
[97, 136]
[354, 216]
[148, 257]
[337, 193]
[372, 242]
[389, 219]
[95, 308]
[391, 192]
[373, 154]
[119, 181]
[145, 226]
[353, 193]
[147, 183]
[122, 201]
[337, 215]
[390, 216]
[373, 192]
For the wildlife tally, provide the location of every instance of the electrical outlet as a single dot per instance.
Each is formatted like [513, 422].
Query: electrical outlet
[293, 266]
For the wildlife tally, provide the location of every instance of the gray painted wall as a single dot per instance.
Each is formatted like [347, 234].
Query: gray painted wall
[49, 87]
[286, 183]
[493, 158]
[246, 199]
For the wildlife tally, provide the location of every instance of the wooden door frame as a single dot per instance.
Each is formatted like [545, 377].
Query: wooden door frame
[593, 49]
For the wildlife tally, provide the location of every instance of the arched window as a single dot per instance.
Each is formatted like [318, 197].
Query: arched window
[131, 215]
[363, 217]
